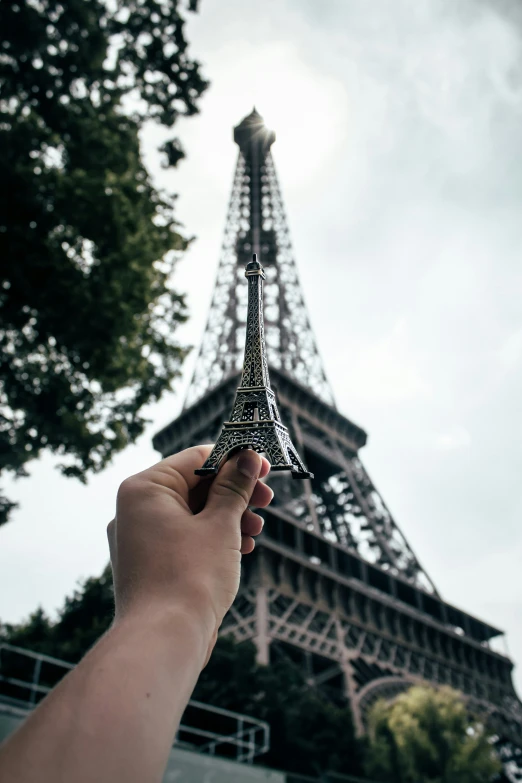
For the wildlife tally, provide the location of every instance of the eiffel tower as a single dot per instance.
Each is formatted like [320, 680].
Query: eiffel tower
[332, 584]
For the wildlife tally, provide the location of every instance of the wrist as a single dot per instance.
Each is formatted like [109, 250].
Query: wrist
[168, 625]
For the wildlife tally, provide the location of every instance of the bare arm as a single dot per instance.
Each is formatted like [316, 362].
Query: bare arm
[176, 560]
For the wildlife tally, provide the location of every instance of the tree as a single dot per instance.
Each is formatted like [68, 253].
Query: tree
[308, 734]
[427, 734]
[87, 309]
[84, 617]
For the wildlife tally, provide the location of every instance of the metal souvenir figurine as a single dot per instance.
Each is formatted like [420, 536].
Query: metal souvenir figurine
[255, 422]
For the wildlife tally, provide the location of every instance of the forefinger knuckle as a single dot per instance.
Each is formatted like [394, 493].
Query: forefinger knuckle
[130, 488]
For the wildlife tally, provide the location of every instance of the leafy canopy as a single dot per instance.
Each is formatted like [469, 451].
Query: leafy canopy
[427, 734]
[308, 733]
[84, 617]
[87, 311]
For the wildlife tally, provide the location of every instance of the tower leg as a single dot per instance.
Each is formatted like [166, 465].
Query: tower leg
[297, 462]
[264, 440]
[227, 442]
[349, 682]
[261, 640]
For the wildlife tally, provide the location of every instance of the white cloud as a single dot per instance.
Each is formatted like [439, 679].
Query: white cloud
[455, 438]
[303, 105]
[384, 368]
[510, 352]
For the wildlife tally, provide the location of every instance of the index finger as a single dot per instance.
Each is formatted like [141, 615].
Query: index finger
[177, 471]
[198, 496]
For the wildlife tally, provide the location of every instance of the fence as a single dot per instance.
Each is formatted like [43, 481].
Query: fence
[26, 677]
[327, 777]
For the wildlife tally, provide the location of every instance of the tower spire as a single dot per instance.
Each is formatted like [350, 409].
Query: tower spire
[256, 223]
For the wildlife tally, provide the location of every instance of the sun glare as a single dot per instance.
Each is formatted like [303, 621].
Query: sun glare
[307, 110]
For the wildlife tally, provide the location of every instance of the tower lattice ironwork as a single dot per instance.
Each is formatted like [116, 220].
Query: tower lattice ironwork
[333, 583]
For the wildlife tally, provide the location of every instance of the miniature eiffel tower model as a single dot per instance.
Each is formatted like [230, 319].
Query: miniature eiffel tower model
[332, 584]
[255, 422]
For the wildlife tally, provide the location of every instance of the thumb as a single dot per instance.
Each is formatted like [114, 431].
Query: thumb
[232, 488]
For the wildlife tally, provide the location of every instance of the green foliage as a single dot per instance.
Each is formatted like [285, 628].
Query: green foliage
[428, 735]
[34, 634]
[87, 311]
[308, 734]
[84, 617]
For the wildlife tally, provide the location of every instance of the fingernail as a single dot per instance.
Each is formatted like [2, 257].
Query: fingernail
[249, 464]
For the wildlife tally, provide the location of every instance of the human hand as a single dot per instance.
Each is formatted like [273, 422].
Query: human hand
[176, 541]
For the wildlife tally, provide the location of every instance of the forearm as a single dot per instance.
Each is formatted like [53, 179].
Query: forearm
[115, 715]
[174, 543]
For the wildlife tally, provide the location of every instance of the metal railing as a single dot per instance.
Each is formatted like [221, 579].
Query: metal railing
[327, 777]
[26, 677]
[245, 739]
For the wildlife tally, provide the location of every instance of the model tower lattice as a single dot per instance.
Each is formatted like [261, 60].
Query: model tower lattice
[255, 422]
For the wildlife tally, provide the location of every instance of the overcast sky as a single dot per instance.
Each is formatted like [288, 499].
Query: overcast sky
[399, 129]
